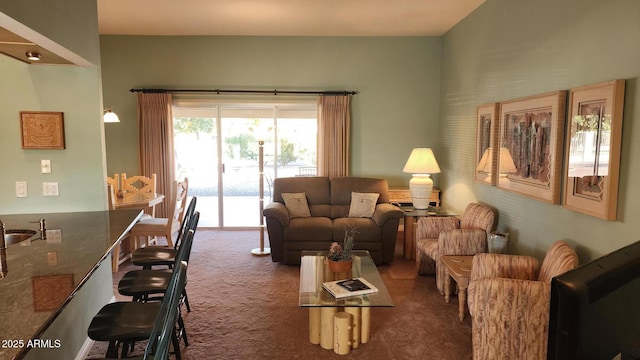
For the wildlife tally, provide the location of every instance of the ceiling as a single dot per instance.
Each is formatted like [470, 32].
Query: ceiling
[282, 17]
[261, 18]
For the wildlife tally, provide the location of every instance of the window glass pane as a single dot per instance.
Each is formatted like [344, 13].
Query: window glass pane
[217, 147]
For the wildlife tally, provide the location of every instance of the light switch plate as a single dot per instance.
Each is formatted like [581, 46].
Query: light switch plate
[21, 189]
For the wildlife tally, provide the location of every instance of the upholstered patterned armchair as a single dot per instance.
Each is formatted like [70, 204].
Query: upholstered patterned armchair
[508, 299]
[437, 236]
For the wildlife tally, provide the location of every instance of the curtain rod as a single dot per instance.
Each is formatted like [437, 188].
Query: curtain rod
[223, 91]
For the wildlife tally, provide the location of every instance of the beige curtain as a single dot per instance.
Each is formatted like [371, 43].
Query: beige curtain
[334, 128]
[155, 129]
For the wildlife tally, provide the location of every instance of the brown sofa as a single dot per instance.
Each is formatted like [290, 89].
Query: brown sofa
[329, 205]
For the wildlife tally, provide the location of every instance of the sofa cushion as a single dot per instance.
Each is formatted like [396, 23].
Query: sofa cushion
[366, 230]
[309, 229]
[316, 189]
[363, 204]
[296, 204]
[342, 187]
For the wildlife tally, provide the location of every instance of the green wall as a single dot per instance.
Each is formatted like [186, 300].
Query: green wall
[508, 49]
[397, 79]
[73, 90]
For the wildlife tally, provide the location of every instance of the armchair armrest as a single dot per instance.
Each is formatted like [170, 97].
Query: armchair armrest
[507, 312]
[385, 212]
[430, 227]
[504, 266]
[277, 211]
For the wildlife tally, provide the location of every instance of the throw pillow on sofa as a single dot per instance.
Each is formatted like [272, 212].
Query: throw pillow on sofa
[363, 205]
[296, 204]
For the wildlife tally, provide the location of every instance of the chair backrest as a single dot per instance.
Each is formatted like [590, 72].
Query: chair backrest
[179, 200]
[477, 216]
[184, 226]
[184, 252]
[559, 259]
[139, 183]
[164, 327]
[111, 197]
[114, 181]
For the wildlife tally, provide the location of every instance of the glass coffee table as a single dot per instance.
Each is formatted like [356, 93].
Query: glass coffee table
[325, 311]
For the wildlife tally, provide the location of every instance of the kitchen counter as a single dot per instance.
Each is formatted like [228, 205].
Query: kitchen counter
[43, 276]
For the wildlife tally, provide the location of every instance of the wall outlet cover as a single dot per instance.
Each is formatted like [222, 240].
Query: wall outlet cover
[50, 189]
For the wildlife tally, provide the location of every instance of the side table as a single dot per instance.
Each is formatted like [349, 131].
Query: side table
[411, 216]
[459, 269]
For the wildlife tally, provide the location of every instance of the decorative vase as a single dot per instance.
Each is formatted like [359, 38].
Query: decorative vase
[498, 243]
[341, 266]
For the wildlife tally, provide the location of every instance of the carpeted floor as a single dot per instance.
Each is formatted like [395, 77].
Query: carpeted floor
[246, 307]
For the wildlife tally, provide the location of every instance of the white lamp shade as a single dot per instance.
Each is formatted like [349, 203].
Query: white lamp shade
[421, 163]
[110, 117]
[507, 166]
[485, 162]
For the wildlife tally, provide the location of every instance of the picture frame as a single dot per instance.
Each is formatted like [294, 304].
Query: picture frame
[592, 149]
[487, 129]
[42, 130]
[531, 136]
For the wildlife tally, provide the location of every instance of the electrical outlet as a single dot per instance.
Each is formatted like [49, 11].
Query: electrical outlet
[21, 189]
[52, 258]
[46, 166]
[50, 189]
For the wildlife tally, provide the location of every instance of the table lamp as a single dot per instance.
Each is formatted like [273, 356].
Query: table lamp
[506, 164]
[421, 164]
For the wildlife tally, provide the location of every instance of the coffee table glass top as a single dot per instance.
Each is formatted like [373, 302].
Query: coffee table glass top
[314, 271]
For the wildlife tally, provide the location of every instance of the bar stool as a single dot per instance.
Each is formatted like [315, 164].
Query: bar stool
[127, 322]
[147, 285]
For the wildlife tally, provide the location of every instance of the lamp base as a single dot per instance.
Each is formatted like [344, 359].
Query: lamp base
[261, 252]
[421, 187]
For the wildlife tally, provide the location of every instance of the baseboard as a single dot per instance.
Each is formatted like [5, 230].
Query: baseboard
[88, 343]
[85, 349]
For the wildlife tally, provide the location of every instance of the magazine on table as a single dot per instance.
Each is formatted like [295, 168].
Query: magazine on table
[349, 287]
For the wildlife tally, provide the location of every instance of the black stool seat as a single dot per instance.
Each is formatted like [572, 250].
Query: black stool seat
[141, 283]
[147, 285]
[123, 322]
[154, 255]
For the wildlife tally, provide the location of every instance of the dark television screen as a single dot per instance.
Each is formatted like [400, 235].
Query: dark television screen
[595, 309]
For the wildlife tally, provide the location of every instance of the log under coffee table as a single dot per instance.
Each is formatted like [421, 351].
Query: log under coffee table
[458, 268]
[339, 324]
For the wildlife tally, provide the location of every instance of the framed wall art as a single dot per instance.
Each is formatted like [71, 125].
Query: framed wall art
[42, 130]
[531, 134]
[486, 139]
[592, 154]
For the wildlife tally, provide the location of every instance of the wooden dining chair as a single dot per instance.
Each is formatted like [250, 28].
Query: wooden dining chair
[114, 182]
[164, 227]
[140, 184]
[120, 253]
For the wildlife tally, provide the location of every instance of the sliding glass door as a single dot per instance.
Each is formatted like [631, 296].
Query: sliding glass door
[218, 148]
